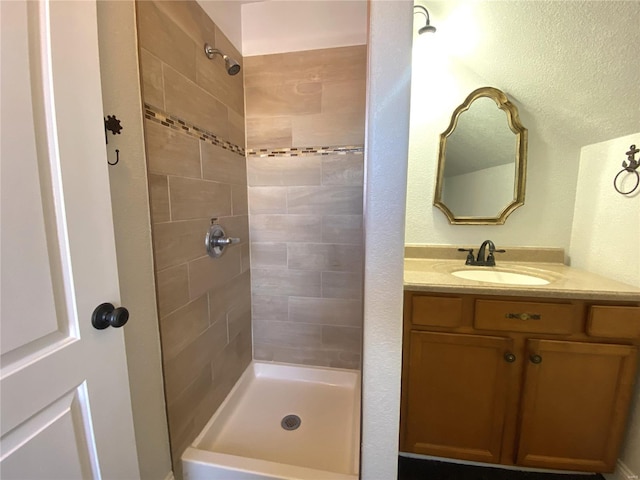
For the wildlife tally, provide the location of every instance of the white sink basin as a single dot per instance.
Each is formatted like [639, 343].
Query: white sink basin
[497, 276]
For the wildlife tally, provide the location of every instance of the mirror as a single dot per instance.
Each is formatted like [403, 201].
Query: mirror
[482, 160]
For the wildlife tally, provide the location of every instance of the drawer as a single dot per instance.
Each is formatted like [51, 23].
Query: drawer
[437, 311]
[534, 317]
[614, 322]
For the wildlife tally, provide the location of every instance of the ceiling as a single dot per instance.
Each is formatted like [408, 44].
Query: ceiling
[573, 65]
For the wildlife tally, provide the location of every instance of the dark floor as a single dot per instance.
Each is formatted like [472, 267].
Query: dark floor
[414, 469]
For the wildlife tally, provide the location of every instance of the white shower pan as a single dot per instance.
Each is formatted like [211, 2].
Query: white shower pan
[246, 438]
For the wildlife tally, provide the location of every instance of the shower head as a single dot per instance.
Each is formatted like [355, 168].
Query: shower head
[230, 64]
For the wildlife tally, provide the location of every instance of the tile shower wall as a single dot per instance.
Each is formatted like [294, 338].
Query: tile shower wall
[194, 135]
[305, 132]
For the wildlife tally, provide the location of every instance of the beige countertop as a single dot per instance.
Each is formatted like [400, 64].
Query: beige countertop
[425, 269]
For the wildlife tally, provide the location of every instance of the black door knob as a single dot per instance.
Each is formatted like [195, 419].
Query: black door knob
[106, 315]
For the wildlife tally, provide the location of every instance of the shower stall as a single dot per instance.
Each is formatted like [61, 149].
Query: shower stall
[261, 324]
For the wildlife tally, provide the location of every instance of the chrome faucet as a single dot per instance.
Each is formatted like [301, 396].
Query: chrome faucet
[481, 260]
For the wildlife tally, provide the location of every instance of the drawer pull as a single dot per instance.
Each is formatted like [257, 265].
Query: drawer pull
[509, 357]
[537, 359]
[524, 316]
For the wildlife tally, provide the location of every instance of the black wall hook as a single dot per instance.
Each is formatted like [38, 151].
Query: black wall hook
[117, 158]
[112, 124]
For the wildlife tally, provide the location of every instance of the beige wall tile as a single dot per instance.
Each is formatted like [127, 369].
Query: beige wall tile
[159, 198]
[280, 281]
[170, 152]
[239, 319]
[342, 285]
[269, 254]
[342, 229]
[307, 356]
[190, 102]
[267, 200]
[175, 243]
[328, 129]
[344, 97]
[245, 253]
[239, 200]
[264, 352]
[184, 368]
[234, 292]
[284, 170]
[299, 98]
[324, 200]
[272, 132]
[286, 228]
[236, 127]
[158, 34]
[236, 226]
[325, 311]
[326, 65]
[223, 165]
[191, 198]
[287, 334]
[213, 77]
[207, 273]
[183, 326]
[191, 19]
[151, 75]
[270, 307]
[346, 338]
[324, 257]
[229, 364]
[180, 412]
[345, 169]
[173, 289]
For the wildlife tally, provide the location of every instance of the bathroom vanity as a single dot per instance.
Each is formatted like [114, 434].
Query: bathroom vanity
[531, 375]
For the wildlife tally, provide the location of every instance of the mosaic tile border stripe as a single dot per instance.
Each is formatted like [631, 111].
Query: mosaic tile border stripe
[304, 151]
[171, 121]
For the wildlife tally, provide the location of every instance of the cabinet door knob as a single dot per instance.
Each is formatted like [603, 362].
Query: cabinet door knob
[509, 357]
[535, 359]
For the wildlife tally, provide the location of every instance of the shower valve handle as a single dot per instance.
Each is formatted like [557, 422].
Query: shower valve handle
[224, 241]
[216, 240]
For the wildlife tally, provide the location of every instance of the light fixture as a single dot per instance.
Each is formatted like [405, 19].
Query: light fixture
[428, 28]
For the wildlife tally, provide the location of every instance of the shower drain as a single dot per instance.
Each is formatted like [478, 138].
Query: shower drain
[291, 422]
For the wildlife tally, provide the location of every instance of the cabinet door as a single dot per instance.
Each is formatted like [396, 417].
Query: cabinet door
[457, 393]
[574, 404]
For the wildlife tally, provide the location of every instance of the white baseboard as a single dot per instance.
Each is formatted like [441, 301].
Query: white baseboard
[170, 476]
[622, 473]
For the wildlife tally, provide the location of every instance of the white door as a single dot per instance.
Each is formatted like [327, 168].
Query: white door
[65, 405]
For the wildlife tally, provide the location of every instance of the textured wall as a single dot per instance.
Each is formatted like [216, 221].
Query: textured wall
[439, 85]
[197, 170]
[604, 240]
[305, 204]
[132, 228]
[387, 144]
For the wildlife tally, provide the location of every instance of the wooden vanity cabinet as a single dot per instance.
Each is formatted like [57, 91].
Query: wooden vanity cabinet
[517, 381]
[574, 404]
[458, 386]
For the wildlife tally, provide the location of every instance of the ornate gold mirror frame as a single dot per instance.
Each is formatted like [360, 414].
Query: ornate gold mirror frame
[520, 159]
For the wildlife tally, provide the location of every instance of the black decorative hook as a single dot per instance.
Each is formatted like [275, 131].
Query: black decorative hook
[112, 124]
[630, 167]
